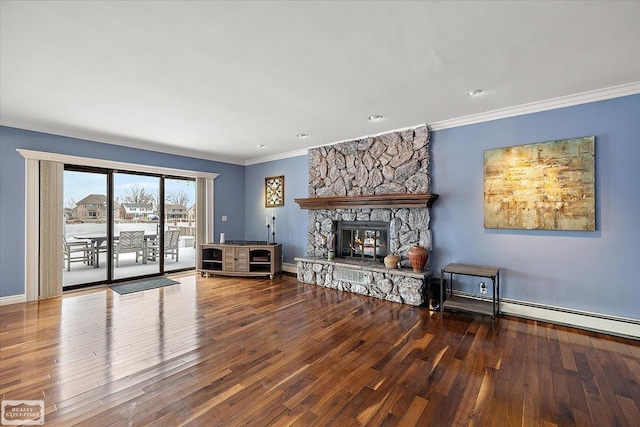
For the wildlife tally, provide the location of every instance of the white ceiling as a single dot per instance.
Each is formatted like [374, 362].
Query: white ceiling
[215, 79]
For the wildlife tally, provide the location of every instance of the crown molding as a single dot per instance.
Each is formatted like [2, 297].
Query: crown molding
[503, 113]
[305, 151]
[539, 106]
[279, 156]
[121, 166]
[124, 142]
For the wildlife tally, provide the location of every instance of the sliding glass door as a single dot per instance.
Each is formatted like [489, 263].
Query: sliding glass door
[85, 220]
[136, 219]
[179, 224]
[123, 225]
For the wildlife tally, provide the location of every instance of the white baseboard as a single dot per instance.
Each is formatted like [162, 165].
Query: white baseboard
[289, 268]
[620, 326]
[597, 322]
[13, 299]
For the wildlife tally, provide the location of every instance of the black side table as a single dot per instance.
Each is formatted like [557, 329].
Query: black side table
[489, 308]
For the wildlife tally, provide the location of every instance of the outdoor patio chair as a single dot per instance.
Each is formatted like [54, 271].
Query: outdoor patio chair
[130, 242]
[171, 241]
[77, 251]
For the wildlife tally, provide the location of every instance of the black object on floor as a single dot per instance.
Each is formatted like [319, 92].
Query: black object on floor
[142, 285]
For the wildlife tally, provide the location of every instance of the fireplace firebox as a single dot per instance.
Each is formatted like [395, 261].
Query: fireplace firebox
[365, 240]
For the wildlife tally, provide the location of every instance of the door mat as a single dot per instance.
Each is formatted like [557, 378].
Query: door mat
[143, 285]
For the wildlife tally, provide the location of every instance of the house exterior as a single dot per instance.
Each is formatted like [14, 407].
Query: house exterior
[68, 213]
[136, 211]
[175, 212]
[92, 208]
[117, 211]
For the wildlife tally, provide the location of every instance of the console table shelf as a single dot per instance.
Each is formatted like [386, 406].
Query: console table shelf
[469, 304]
[474, 305]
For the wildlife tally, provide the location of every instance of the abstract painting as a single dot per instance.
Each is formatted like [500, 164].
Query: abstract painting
[542, 186]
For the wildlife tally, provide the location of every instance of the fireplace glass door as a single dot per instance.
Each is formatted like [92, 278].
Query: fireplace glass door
[366, 240]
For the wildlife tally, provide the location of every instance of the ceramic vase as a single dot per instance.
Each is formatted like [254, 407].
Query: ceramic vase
[391, 261]
[418, 256]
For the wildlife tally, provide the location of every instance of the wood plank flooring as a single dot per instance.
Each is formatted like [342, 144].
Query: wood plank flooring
[231, 351]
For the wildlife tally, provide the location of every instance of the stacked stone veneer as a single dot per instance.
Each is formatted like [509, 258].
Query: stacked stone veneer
[403, 286]
[396, 162]
[392, 163]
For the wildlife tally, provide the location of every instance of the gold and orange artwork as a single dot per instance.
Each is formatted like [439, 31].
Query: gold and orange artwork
[542, 186]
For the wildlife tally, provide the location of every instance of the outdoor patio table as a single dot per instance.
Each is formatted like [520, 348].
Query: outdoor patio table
[98, 240]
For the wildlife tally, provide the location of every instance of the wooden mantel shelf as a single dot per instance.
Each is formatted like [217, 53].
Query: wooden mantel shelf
[405, 200]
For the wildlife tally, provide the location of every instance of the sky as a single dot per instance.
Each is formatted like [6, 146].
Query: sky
[78, 185]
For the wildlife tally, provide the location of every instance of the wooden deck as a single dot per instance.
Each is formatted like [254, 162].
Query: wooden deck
[229, 351]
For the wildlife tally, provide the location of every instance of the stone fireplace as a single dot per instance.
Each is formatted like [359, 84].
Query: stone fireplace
[368, 198]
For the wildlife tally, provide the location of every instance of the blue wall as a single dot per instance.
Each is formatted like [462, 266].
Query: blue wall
[291, 221]
[228, 185]
[593, 271]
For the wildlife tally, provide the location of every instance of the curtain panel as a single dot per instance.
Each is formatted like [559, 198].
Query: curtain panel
[51, 257]
[201, 217]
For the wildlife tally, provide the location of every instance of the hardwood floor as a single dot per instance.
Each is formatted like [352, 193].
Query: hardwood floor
[229, 351]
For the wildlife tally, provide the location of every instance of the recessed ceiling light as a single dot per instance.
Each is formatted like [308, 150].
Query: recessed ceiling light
[260, 145]
[375, 117]
[474, 92]
[302, 135]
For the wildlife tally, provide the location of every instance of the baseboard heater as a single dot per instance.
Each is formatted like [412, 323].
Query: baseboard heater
[596, 322]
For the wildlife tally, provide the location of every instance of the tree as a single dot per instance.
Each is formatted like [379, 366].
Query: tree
[69, 202]
[137, 195]
[178, 198]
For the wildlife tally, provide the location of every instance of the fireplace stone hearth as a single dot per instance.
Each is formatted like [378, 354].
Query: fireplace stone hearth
[402, 286]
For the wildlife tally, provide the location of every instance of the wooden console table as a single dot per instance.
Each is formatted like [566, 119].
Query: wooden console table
[489, 308]
[228, 259]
